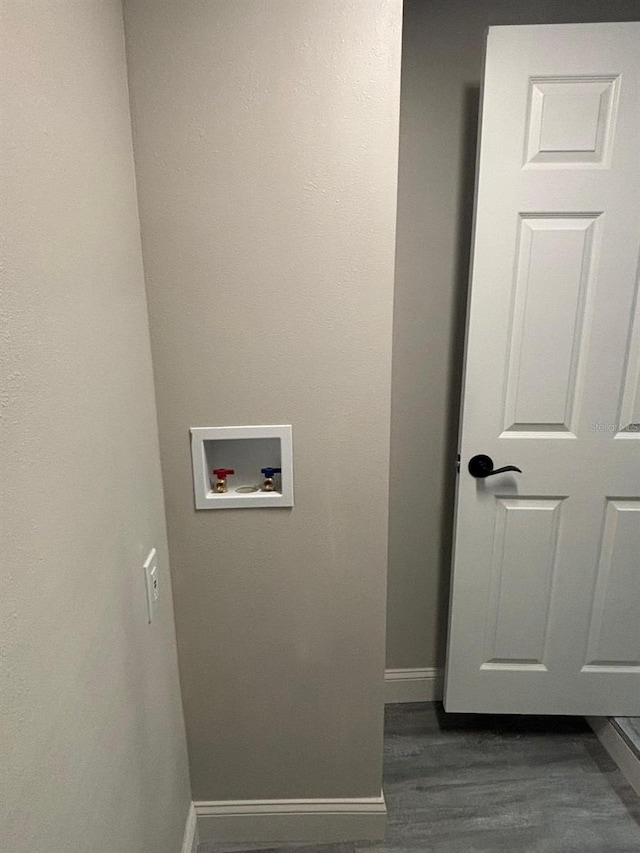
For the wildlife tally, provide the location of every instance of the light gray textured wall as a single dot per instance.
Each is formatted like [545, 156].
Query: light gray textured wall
[443, 47]
[266, 151]
[93, 747]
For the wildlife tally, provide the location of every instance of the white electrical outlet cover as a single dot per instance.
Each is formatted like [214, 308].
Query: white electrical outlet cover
[152, 582]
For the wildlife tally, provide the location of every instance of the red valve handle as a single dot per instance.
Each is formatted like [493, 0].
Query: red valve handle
[223, 473]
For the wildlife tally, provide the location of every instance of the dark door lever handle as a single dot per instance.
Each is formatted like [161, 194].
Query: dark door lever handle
[481, 466]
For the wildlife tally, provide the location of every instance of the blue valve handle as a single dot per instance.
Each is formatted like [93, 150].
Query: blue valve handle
[269, 472]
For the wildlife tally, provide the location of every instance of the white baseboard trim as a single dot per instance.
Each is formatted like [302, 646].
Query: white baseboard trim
[412, 685]
[304, 821]
[190, 839]
[618, 749]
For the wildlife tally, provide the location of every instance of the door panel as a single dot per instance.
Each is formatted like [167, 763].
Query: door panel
[555, 262]
[520, 597]
[614, 632]
[629, 420]
[571, 122]
[545, 607]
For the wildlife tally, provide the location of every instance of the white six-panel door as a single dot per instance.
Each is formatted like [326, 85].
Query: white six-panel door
[545, 608]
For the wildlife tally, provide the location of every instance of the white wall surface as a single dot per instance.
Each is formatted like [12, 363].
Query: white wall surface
[442, 54]
[266, 152]
[93, 753]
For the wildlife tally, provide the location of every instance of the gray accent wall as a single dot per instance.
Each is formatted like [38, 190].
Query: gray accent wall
[266, 137]
[92, 744]
[442, 55]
